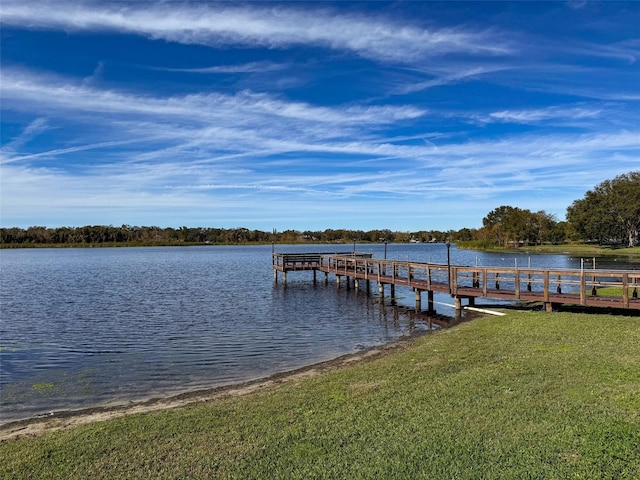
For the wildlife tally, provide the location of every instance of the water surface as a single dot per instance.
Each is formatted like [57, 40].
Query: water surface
[98, 326]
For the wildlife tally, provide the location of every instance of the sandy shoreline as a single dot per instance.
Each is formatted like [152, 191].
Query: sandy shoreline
[68, 419]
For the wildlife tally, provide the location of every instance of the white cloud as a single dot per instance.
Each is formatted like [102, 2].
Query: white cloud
[197, 126]
[192, 133]
[256, 25]
[23, 91]
[62, 151]
[32, 130]
[565, 113]
[447, 73]
[251, 67]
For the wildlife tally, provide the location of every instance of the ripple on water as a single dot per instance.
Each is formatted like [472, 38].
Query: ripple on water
[83, 327]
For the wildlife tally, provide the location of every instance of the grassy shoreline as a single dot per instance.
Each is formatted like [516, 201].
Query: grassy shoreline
[579, 250]
[584, 250]
[528, 395]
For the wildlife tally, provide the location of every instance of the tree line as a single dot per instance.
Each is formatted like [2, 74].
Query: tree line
[608, 214]
[151, 235]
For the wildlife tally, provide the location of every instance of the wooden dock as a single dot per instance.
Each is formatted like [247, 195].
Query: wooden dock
[552, 287]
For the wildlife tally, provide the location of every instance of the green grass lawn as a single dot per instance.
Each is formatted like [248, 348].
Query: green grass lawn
[528, 395]
[616, 291]
[584, 250]
[574, 249]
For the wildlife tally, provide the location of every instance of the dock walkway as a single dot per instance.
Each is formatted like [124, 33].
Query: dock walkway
[552, 287]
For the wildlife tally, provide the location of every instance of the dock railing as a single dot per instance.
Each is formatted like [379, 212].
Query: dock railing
[578, 286]
[307, 261]
[597, 287]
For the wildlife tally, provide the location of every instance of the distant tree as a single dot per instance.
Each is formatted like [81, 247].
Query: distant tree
[464, 234]
[610, 212]
[545, 224]
[504, 224]
[402, 237]
[38, 235]
[560, 232]
[290, 236]
[12, 235]
[311, 235]
[382, 236]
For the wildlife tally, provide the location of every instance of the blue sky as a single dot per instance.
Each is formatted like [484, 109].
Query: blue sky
[401, 115]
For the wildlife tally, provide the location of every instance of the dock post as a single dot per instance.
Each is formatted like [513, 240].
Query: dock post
[393, 291]
[458, 303]
[381, 289]
[284, 277]
[275, 275]
[418, 301]
[430, 301]
[314, 277]
[368, 287]
[356, 283]
[338, 280]
[326, 278]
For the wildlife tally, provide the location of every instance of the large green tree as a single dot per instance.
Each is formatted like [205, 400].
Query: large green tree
[610, 212]
[507, 224]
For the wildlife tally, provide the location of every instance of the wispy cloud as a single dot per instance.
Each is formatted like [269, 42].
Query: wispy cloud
[32, 130]
[566, 114]
[96, 75]
[62, 151]
[251, 67]
[258, 25]
[457, 175]
[26, 91]
[447, 74]
[208, 129]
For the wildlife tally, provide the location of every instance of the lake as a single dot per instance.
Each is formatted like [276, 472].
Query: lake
[91, 327]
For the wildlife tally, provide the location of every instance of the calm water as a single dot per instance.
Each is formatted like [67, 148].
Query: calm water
[88, 327]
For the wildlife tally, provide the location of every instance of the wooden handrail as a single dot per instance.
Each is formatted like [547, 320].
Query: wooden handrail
[549, 285]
